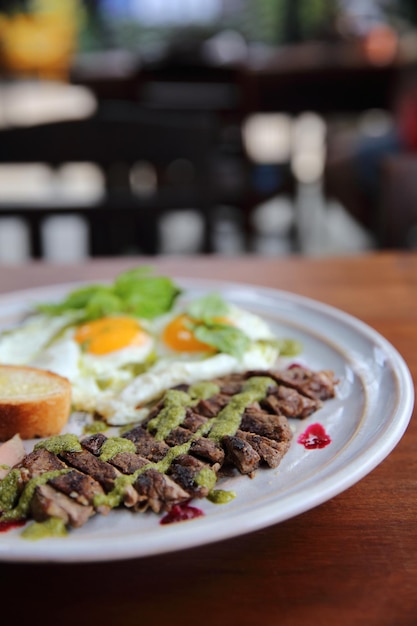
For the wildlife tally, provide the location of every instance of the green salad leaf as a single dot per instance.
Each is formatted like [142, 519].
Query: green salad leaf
[224, 337]
[208, 307]
[206, 315]
[136, 292]
[209, 325]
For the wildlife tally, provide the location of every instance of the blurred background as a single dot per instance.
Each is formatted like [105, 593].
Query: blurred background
[223, 126]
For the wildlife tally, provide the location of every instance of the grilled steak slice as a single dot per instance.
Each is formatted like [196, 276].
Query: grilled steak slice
[158, 491]
[79, 487]
[87, 463]
[178, 436]
[154, 489]
[193, 421]
[289, 402]
[212, 406]
[202, 447]
[74, 484]
[241, 454]
[273, 427]
[47, 502]
[185, 470]
[101, 471]
[128, 463]
[270, 451]
[40, 461]
[315, 385]
[146, 445]
[94, 443]
[207, 450]
[231, 383]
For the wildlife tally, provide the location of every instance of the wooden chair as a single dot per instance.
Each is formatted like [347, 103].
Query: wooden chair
[116, 138]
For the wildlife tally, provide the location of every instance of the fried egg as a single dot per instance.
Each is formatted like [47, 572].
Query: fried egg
[182, 358]
[96, 355]
[20, 344]
[119, 364]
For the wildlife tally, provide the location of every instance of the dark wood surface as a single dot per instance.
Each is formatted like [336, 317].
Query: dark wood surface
[350, 561]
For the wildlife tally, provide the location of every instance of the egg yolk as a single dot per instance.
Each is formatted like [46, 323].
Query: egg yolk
[179, 337]
[109, 334]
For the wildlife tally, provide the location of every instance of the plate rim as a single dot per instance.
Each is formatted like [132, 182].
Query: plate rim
[190, 536]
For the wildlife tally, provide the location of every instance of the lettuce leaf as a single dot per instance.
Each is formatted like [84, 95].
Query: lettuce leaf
[224, 337]
[136, 292]
[208, 308]
[206, 314]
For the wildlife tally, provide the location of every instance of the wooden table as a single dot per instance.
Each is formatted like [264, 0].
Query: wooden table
[349, 562]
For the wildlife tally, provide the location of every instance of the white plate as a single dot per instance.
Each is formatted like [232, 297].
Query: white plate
[365, 421]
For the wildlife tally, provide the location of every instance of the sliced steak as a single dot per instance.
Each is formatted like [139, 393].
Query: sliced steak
[94, 443]
[101, 471]
[40, 461]
[184, 470]
[158, 491]
[289, 402]
[87, 463]
[241, 454]
[270, 451]
[273, 427]
[78, 486]
[128, 463]
[178, 436]
[193, 421]
[212, 406]
[207, 450]
[317, 385]
[201, 447]
[47, 502]
[162, 474]
[146, 445]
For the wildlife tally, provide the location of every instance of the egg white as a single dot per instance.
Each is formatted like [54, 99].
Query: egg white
[173, 368]
[19, 345]
[39, 343]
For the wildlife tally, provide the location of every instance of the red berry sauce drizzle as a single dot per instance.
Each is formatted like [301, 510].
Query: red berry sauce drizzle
[314, 437]
[181, 513]
[6, 525]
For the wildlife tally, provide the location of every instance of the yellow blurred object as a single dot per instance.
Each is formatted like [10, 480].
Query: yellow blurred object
[42, 41]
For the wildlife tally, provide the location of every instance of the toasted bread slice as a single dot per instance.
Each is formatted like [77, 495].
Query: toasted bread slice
[33, 402]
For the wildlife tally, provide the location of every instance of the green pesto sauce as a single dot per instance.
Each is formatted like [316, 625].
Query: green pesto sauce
[114, 497]
[95, 427]
[9, 490]
[289, 347]
[175, 404]
[220, 496]
[228, 420]
[52, 527]
[60, 443]
[171, 415]
[20, 511]
[3, 466]
[206, 478]
[203, 390]
[114, 445]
